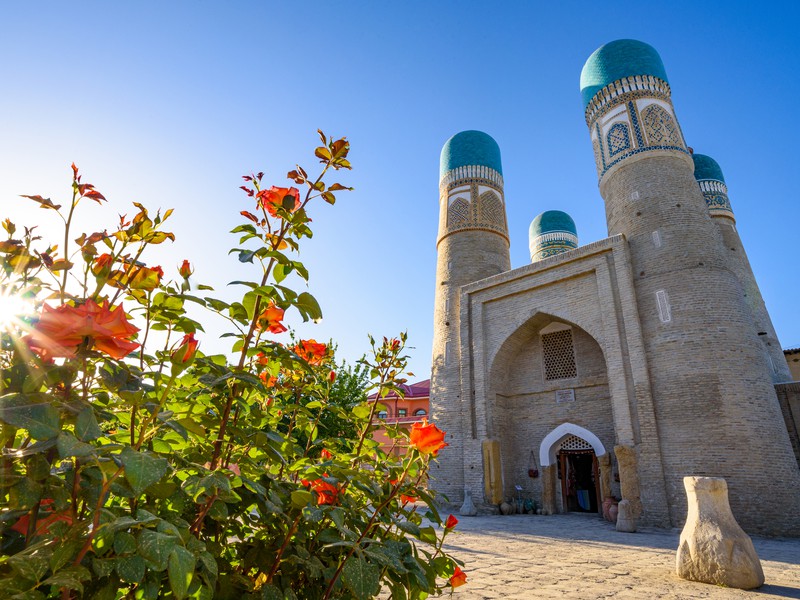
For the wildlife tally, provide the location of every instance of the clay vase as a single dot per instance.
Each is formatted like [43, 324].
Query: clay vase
[606, 506]
[613, 510]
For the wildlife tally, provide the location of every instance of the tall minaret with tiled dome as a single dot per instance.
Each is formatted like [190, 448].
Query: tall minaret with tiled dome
[472, 244]
[718, 413]
[709, 177]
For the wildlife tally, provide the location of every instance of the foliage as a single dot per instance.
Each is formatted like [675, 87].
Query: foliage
[133, 465]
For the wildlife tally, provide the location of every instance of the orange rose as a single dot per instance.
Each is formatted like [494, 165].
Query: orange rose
[60, 331]
[407, 499]
[427, 437]
[269, 380]
[271, 319]
[184, 354]
[275, 197]
[185, 270]
[327, 493]
[311, 351]
[458, 578]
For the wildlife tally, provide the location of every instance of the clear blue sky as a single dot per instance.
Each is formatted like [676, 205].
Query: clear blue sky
[168, 103]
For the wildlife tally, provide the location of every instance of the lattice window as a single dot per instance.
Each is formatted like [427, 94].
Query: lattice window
[559, 355]
[458, 213]
[661, 128]
[573, 442]
[618, 139]
[492, 209]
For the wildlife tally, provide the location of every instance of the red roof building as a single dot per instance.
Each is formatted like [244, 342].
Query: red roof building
[404, 412]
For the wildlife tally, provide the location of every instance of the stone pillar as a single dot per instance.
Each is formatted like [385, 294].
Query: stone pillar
[604, 466]
[713, 548]
[549, 490]
[629, 478]
[492, 472]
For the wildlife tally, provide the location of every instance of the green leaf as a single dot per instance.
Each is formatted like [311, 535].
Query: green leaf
[427, 535]
[141, 470]
[69, 578]
[124, 543]
[34, 412]
[68, 446]
[156, 547]
[270, 592]
[86, 427]
[131, 568]
[32, 568]
[180, 569]
[361, 578]
[308, 307]
[64, 553]
[301, 498]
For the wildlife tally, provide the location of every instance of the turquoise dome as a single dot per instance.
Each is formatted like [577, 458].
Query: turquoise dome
[551, 221]
[706, 167]
[618, 59]
[470, 148]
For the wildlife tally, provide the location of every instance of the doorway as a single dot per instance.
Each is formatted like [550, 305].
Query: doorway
[580, 481]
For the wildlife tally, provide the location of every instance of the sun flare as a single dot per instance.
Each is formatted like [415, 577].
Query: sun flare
[12, 307]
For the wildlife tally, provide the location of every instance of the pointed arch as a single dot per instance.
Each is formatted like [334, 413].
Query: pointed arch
[458, 213]
[547, 449]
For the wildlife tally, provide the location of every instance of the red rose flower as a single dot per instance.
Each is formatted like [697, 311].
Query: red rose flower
[271, 319]
[274, 198]
[184, 354]
[311, 351]
[327, 493]
[185, 270]
[458, 578]
[60, 331]
[451, 522]
[427, 437]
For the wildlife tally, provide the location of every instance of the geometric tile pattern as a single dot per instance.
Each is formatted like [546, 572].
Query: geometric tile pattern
[618, 139]
[458, 214]
[660, 127]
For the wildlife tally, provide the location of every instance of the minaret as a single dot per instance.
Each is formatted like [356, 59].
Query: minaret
[472, 245]
[717, 411]
[551, 233]
[715, 192]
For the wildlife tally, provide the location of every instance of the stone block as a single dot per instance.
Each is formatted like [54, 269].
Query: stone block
[713, 548]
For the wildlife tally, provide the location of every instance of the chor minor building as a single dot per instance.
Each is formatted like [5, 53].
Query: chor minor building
[619, 367]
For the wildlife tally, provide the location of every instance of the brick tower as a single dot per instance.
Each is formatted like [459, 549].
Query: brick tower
[472, 244]
[712, 184]
[712, 389]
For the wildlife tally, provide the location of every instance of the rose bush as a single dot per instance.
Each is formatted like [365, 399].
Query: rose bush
[134, 465]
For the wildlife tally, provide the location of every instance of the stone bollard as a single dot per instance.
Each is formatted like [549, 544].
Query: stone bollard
[468, 508]
[713, 548]
[626, 520]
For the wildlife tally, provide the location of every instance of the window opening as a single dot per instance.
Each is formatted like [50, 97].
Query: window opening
[559, 355]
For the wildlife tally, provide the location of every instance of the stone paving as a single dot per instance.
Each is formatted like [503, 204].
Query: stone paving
[582, 556]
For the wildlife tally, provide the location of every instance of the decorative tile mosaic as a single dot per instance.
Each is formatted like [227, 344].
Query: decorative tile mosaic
[618, 139]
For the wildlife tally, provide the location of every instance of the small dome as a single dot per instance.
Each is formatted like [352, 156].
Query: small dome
[470, 148]
[618, 59]
[706, 167]
[551, 221]
[551, 233]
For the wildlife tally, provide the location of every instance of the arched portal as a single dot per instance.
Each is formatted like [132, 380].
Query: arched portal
[576, 452]
[548, 381]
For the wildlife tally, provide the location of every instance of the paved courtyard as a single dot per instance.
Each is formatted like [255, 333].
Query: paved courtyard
[581, 556]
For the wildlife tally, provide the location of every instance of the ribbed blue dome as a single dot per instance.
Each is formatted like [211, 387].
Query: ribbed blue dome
[551, 221]
[706, 167]
[470, 148]
[618, 59]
